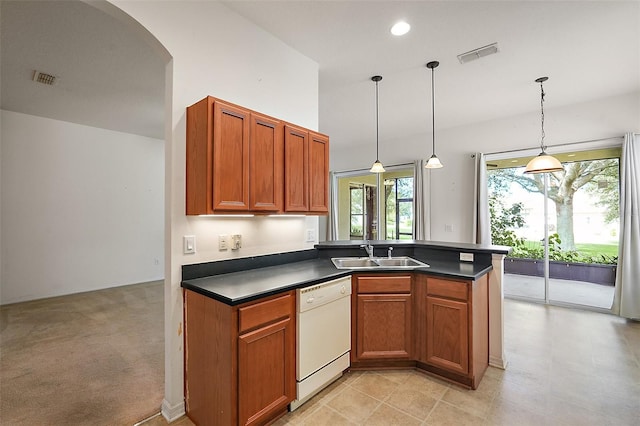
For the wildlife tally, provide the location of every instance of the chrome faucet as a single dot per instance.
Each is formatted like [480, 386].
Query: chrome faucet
[368, 248]
[389, 250]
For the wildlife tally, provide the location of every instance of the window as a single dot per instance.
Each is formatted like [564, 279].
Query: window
[357, 212]
[399, 208]
[359, 200]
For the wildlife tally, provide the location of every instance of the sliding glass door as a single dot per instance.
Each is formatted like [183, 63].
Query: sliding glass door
[563, 227]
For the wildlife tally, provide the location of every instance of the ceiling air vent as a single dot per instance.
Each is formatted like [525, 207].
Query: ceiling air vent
[44, 78]
[478, 53]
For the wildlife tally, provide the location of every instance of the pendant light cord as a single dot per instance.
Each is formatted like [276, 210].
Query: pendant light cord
[377, 154]
[542, 145]
[433, 115]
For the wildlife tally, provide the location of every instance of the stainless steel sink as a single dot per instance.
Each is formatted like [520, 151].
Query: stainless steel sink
[353, 262]
[401, 262]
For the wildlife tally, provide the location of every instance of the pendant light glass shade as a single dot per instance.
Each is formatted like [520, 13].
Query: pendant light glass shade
[543, 163]
[434, 161]
[377, 165]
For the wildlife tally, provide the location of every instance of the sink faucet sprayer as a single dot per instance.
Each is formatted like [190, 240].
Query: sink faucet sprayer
[368, 248]
[389, 250]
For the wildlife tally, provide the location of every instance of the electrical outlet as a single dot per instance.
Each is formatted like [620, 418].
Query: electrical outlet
[310, 235]
[222, 242]
[448, 228]
[189, 244]
[466, 257]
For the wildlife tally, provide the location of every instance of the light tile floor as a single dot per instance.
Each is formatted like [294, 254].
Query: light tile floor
[566, 367]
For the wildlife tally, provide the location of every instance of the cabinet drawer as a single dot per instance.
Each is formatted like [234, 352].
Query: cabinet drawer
[384, 284]
[447, 288]
[252, 316]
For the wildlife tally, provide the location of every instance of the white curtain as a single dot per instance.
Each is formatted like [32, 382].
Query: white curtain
[421, 213]
[332, 220]
[626, 301]
[482, 221]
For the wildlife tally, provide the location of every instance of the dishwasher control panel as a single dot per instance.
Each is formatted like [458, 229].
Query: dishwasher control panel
[320, 294]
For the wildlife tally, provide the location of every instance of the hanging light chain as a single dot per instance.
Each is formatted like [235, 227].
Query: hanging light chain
[542, 80]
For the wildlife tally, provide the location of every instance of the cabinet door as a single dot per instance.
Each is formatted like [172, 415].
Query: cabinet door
[447, 334]
[266, 371]
[266, 162]
[383, 326]
[318, 173]
[230, 157]
[296, 171]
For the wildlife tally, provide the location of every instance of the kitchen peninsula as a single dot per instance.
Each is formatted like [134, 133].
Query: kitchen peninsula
[240, 321]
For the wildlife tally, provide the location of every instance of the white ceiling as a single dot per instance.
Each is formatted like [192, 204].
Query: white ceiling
[109, 78]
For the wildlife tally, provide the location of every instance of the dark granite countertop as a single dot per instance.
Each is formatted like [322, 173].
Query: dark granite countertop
[241, 286]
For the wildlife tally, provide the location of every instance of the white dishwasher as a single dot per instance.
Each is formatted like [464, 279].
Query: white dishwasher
[323, 336]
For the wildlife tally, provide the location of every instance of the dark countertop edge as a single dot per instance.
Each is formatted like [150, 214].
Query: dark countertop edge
[473, 248]
[338, 274]
[259, 295]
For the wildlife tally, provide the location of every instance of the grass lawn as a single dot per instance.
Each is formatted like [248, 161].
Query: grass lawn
[586, 249]
[597, 249]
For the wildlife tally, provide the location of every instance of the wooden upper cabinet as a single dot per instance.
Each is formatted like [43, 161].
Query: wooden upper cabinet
[306, 171]
[199, 158]
[318, 173]
[217, 157]
[231, 130]
[266, 164]
[296, 170]
[238, 160]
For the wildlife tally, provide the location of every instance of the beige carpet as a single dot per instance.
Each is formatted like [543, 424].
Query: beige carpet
[93, 358]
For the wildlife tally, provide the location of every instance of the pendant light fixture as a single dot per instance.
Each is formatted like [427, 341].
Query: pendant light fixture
[377, 166]
[434, 161]
[543, 163]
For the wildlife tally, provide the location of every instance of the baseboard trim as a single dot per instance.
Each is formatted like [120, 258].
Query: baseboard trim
[171, 413]
[498, 362]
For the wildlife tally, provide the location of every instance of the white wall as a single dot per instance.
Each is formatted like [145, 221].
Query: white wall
[451, 187]
[216, 52]
[82, 208]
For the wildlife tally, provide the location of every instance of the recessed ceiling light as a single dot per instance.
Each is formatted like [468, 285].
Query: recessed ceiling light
[400, 28]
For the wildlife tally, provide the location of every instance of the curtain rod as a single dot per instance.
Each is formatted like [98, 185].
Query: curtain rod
[554, 146]
[367, 170]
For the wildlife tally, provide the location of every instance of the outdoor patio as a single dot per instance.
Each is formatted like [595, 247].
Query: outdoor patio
[565, 291]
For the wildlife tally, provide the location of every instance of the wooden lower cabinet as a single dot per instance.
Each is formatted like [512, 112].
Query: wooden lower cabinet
[436, 324]
[382, 318]
[447, 334]
[239, 360]
[452, 324]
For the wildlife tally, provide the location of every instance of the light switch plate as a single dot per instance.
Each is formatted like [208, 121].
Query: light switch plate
[189, 244]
